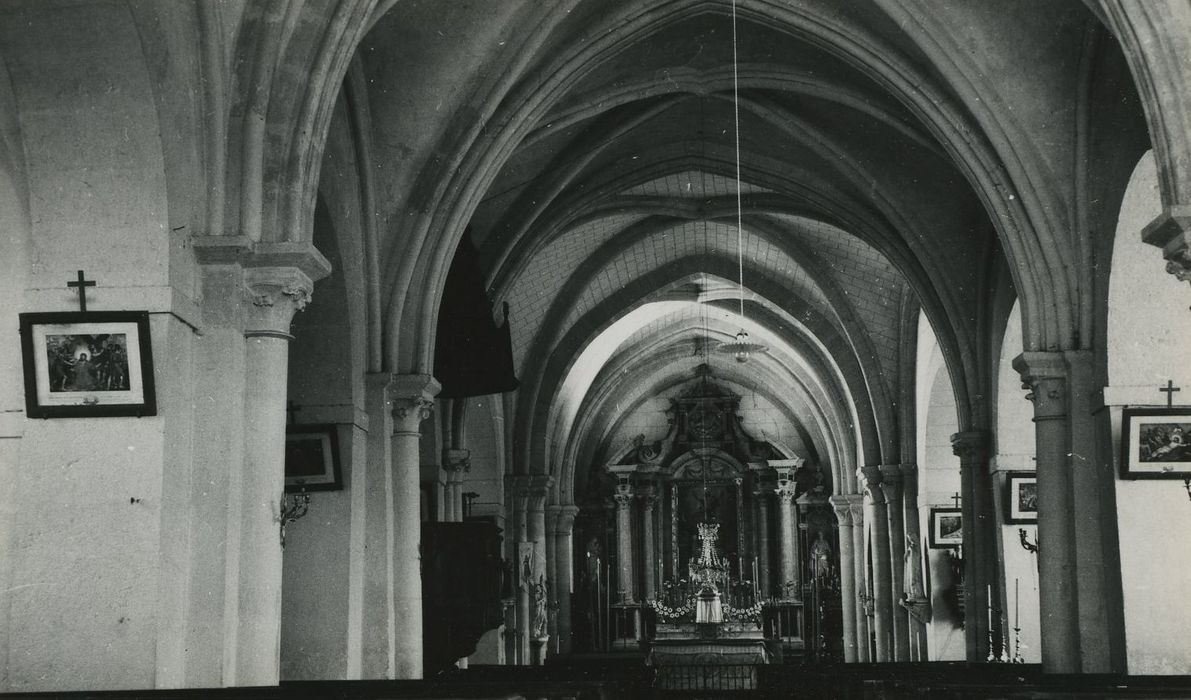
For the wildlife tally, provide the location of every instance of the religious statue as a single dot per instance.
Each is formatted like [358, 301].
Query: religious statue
[820, 556]
[539, 607]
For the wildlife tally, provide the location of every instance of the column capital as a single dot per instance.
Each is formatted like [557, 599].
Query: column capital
[786, 490]
[538, 489]
[458, 460]
[1044, 376]
[891, 482]
[649, 496]
[413, 399]
[623, 495]
[871, 479]
[564, 517]
[843, 514]
[1171, 232]
[971, 446]
[273, 295]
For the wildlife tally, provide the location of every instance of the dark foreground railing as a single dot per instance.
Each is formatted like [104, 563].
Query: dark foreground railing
[706, 677]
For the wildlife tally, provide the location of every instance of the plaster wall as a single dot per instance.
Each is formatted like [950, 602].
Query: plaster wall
[87, 570]
[1015, 447]
[484, 476]
[1149, 331]
[938, 479]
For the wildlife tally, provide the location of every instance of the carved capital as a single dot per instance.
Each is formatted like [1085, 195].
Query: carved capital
[413, 400]
[273, 296]
[539, 490]
[871, 479]
[1044, 377]
[458, 461]
[649, 497]
[843, 514]
[624, 496]
[1171, 232]
[891, 482]
[563, 518]
[971, 446]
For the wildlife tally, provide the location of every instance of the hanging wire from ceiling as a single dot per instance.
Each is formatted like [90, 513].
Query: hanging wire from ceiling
[741, 348]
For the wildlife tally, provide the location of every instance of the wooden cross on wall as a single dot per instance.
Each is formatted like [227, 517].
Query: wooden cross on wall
[81, 284]
[956, 498]
[1169, 390]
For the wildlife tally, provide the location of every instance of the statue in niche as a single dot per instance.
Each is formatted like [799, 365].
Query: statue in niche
[820, 556]
[539, 607]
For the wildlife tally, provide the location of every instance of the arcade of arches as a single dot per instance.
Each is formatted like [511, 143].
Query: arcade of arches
[488, 251]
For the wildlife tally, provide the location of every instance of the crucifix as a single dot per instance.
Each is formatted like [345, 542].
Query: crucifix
[956, 498]
[1169, 390]
[82, 283]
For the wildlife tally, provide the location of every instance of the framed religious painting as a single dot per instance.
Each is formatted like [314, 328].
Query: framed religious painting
[946, 528]
[87, 364]
[312, 458]
[1021, 497]
[1156, 443]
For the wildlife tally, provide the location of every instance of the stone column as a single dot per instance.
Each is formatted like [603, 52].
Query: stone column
[891, 488]
[877, 516]
[413, 402]
[273, 295]
[457, 464]
[762, 497]
[624, 541]
[915, 598]
[518, 489]
[378, 635]
[649, 499]
[564, 572]
[843, 515]
[787, 523]
[1078, 560]
[972, 448]
[860, 580]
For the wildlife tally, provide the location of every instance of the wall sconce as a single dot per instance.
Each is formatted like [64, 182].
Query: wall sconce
[293, 506]
[1031, 547]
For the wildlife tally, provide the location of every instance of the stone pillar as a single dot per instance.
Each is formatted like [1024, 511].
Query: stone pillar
[979, 541]
[273, 294]
[413, 402]
[649, 499]
[860, 580]
[457, 464]
[564, 575]
[877, 516]
[891, 488]
[378, 635]
[1078, 559]
[843, 515]
[762, 498]
[915, 599]
[624, 541]
[787, 523]
[518, 489]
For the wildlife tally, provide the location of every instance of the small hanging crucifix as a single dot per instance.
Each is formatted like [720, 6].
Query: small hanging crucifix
[956, 498]
[81, 284]
[1169, 390]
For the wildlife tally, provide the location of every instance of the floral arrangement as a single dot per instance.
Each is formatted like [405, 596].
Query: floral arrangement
[667, 613]
[751, 613]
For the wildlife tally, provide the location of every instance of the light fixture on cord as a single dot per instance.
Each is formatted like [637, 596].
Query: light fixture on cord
[741, 348]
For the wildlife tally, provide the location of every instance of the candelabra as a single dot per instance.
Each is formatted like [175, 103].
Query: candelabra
[1017, 658]
[291, 510]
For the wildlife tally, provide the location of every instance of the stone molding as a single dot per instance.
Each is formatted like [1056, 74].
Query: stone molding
[1044, 376]
[1170, 232]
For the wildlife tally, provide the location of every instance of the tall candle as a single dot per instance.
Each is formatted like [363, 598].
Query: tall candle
[1017, 603]
[990, 608]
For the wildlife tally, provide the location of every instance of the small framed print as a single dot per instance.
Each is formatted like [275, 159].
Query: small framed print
[946, 527]
[1021, 497]
[87, 364]
[1156, 443]
[312, 458]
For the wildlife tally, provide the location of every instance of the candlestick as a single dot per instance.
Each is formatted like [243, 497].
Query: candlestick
[1017, 602]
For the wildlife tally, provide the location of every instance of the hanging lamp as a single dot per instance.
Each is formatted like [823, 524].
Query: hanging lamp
[741, 348]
